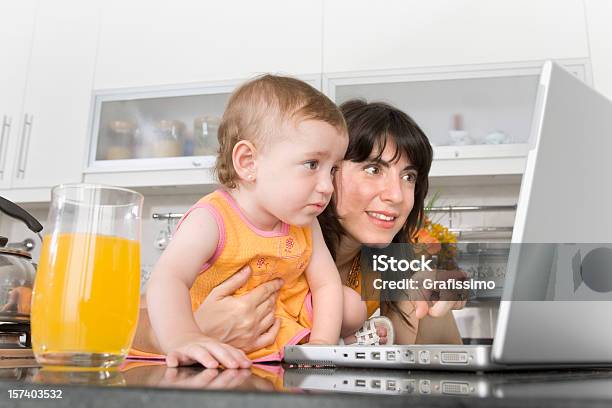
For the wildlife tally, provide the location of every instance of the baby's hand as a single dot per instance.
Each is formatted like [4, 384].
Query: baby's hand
[208, 352]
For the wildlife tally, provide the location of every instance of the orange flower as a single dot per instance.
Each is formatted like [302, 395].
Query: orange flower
[432, 244]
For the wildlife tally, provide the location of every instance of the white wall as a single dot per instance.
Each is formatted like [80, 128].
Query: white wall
[599, 23]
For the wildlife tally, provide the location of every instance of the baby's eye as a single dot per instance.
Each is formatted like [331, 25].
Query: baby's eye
[410, 177]
[312, 164]
[373, 170]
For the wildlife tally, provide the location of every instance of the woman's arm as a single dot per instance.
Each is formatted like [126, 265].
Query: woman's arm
[326, 287]
[426, 330]
[438, 330]
[430, 322]
[405, 331]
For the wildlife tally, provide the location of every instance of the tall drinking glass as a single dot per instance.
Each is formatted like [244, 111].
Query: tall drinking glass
[86, 292]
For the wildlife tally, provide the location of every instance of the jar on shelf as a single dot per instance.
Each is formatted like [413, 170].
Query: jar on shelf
[120, 140]
[205, 140]
[168, 140]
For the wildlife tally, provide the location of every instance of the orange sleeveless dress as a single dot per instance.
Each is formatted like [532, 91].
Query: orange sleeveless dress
[270, 254]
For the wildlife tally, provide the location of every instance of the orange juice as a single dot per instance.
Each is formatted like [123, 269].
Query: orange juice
[86, 295]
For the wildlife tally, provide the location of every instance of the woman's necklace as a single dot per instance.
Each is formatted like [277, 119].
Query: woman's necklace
[352, 278]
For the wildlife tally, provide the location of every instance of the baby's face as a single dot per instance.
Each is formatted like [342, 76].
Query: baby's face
[295, 171]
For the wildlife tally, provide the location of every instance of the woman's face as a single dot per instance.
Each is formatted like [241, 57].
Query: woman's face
[375, 197]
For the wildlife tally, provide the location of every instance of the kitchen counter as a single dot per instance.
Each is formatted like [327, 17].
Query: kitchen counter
[154, 385]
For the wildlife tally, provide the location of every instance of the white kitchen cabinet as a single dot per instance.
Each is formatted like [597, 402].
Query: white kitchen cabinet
[156, 128]
[494, 101]
[599, 16]
[52, 127]
[16, 33]
[144, 42]
[159, 135]
[361, 35]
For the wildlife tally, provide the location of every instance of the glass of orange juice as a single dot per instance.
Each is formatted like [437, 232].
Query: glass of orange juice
[86, 292]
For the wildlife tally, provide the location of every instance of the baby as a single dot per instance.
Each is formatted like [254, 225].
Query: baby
[280, 144]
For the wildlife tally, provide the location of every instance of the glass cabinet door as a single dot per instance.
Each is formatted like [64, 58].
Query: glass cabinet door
[456, 106]
[157, 129]
[459, 112]
[477, 117]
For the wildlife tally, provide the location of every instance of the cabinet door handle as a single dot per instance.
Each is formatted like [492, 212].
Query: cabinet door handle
[26, 132]
[4, 138]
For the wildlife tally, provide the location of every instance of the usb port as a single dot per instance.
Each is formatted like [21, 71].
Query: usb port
[391, 385]
[424, 357]
[390, 355]
[360, 383]
[360, 356]
[376, 355]
[409, 356]
[375, 383]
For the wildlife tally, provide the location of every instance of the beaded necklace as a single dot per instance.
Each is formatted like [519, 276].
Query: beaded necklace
[352, 278]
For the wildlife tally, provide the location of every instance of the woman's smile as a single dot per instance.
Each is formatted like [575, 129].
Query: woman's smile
[382, 219]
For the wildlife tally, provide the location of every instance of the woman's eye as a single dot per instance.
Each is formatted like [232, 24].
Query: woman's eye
[372, 170]
[312, 164]
[334, 170]
[410, 177]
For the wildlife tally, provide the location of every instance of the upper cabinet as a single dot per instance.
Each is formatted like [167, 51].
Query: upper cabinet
[53, 124]
[45, 110]
[144, 42]
[16, 33]
[477, 117]
[412, 33]
[159, 135]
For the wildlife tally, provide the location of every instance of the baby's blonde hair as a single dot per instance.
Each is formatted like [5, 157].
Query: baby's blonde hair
[257, 111]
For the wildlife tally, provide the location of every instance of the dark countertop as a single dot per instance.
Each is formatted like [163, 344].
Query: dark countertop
[155, 385]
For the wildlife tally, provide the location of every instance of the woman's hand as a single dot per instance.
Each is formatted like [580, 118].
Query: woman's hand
[445, 300]
[437, 308]
[246, 322]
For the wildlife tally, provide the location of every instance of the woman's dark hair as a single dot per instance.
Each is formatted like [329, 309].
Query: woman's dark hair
[370, 127]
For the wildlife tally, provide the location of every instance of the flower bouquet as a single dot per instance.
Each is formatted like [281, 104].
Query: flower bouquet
[435, 240]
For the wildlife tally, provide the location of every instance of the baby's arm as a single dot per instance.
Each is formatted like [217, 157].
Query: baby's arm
[326, 288]
[355, 312]
[168, 300]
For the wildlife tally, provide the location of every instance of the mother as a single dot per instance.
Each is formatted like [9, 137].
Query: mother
[380, 192]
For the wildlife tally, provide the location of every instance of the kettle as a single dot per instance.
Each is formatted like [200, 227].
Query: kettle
[16, 270]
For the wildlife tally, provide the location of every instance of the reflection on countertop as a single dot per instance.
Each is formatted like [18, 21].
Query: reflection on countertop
[565, 387]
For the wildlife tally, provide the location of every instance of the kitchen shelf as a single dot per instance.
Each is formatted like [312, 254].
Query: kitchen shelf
[489, 98]
[156, 128]
[158, 136]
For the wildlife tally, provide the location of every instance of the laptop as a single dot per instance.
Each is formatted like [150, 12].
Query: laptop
[565, 197]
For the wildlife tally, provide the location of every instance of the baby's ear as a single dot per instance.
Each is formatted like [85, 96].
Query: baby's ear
[244, 157]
